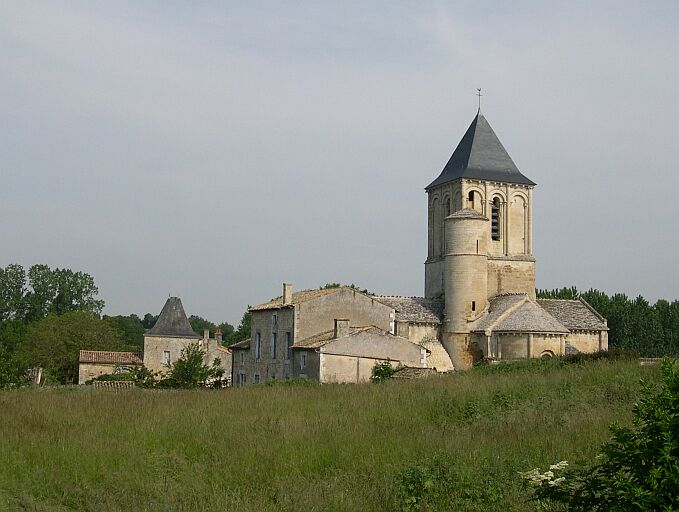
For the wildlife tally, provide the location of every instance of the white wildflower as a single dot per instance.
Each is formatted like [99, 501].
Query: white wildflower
[559, 465]
[554, 483]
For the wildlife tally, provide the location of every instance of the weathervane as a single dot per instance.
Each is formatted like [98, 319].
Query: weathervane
[479, 95]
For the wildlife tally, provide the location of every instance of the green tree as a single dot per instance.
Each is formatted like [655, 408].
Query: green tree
[59, 291]
[243, 330]
[189, 371]
[149, 320]
[131, 329]
[637, 470]
[199, 324]
[12, 291]
[54, 342]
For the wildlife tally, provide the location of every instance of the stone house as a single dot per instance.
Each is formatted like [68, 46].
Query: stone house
[162, 345]
[336, 335]
[93, 363]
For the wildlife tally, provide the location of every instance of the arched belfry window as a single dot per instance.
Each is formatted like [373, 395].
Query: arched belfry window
[471, 200]
[495, 219]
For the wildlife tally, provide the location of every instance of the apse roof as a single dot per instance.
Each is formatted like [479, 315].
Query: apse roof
[481, 155]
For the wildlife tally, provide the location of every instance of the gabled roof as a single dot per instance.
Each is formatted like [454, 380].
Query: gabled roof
[172, 321]
[320, 339]
[243, 345]
[106, 357]
[299, 297]
[517, 313]
[574, 314]
[323, 338]
[481, 155]
[414, 309]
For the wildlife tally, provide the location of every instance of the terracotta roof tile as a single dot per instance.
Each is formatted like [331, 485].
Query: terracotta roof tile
[104, 357]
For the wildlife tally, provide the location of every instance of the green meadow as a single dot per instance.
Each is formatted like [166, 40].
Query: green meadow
[455, 442]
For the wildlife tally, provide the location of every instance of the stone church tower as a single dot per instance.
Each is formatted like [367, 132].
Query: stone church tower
[480, 236]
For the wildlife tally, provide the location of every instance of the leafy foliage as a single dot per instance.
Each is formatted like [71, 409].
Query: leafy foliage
[32, 295]
[189, 371]
[243, 330]
[53, 343]
[436, 484]
[382, 371]
[638, 469]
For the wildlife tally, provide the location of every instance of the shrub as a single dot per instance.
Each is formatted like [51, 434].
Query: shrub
[638, 469]
[382, 371]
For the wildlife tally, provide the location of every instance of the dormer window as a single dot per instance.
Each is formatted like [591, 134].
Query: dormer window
[495, 219]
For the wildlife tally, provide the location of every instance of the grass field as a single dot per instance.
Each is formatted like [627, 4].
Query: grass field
[311, 448]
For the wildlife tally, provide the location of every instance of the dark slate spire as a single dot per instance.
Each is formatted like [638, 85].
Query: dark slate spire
[480, 155]
[172, 321]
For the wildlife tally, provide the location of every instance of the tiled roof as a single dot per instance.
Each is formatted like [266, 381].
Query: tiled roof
[172, 321]
[245, 344]
[320, 339]
[414, 309]
[468, 213]
[517, 313]
[574, 314]
[480, 155]
[297, 298]
[104, 357]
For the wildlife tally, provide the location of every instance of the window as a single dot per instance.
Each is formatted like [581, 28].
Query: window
[495, 220]
[242, 379]
[288, 345]
[302, 361]
[166, 358]
[473, 305]
[242, 357]
[258, 346]
[471, 199]
[274, 321]
[274, 338]
[256, 378]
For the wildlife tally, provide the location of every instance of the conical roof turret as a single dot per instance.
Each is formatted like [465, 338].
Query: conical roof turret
[172, 321]
[481, 155]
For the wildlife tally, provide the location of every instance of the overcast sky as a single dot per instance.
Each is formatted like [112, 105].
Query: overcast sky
[213, 150]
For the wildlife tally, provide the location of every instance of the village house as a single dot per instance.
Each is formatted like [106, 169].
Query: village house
[162, 345]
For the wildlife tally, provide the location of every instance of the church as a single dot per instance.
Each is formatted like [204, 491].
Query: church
[480, 262]
[479, 296]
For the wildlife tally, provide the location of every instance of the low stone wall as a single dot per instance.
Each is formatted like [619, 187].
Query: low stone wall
[113, 384]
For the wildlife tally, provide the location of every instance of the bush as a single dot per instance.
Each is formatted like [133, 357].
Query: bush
[637, 470]
[382, 371]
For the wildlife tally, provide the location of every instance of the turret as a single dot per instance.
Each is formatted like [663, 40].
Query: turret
[466, 279]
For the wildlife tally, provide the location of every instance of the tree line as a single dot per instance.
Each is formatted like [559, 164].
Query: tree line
[650, 330]
[48, 315]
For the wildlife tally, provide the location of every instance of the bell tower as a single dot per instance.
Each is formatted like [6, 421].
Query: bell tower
[479, 234]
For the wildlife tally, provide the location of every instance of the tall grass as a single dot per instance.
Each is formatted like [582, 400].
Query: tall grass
[312, 448]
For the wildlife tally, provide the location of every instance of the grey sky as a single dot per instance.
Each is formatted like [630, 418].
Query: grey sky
[213, 150]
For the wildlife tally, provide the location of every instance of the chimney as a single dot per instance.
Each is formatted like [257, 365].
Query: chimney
[287, 293]
[218, 335]
[341, 327]
[206, 338]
